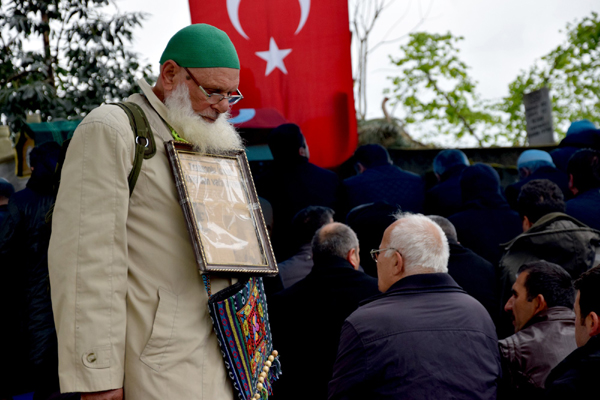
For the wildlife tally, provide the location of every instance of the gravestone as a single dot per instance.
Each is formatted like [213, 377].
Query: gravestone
[538, 115]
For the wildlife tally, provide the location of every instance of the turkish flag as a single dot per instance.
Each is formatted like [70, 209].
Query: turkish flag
[295, 58]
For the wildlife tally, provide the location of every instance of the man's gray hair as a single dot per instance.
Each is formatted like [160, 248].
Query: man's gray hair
[335, 239]
[447, 226]
[421, 242]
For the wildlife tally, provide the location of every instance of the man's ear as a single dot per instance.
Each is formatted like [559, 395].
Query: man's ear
[540, 303]
[398, 264]
[359, 168]
[302, 151]
[572, 187]
[168, 72]
[526, 223]
[593, 323]
[353, 258]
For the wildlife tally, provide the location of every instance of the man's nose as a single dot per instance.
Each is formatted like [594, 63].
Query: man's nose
[221, 106]
[509, 304]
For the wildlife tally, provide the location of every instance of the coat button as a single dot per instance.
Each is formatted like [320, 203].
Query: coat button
[91, 357]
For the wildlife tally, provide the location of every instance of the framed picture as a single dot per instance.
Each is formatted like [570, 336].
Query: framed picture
[222, 211]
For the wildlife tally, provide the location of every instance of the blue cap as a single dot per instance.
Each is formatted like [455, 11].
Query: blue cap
[580, 126]
[534, 155]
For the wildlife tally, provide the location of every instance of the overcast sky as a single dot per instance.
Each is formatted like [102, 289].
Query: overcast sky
[500, 37]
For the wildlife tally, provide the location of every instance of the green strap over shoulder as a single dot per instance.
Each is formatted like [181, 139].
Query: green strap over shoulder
[145, 147]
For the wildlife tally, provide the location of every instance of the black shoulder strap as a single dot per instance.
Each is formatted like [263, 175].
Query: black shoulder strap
[145, 147]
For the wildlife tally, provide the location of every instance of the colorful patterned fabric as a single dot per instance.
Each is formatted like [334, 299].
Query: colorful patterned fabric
[241, 322]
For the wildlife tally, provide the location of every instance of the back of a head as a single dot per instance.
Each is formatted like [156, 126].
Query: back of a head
[580, 126]
[372, 155]
[538, 198]
[534, 159]
[308, 220]
[285, 141]
[446, 225]
[6, 188]
[335, 239]
[43, 159]
[447, 159]
[421, 242]
[584, 165]
[551, 281]
[589, 295]
[480, 182]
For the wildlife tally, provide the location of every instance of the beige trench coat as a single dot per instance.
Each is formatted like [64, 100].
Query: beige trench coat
[129, 304]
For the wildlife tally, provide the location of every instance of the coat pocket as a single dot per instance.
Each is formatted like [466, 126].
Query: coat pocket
[163, 330]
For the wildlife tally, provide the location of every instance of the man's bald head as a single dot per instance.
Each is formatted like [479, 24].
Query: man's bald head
[334, 239]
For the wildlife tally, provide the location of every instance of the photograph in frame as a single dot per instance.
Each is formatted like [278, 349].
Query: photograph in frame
[222, 211]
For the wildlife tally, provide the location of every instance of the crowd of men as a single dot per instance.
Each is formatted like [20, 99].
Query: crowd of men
[386, 289]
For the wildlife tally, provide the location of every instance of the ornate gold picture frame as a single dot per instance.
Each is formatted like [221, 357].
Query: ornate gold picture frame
[222, 211]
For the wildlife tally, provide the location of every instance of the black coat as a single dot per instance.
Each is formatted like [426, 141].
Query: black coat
[424, 338]
[586, 208]
[306, 320]
[576, 377]
[475, 275]
[290, 187]
[552, 174]
[444, 198]
[386, 183]
[486, 220]
[26, 309]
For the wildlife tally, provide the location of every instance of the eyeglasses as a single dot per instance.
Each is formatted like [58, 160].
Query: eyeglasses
[375, 252]
[215, 98]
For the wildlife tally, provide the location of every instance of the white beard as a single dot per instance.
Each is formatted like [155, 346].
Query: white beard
[205, 136]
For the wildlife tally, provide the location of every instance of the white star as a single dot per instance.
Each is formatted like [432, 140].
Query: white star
[274, 57]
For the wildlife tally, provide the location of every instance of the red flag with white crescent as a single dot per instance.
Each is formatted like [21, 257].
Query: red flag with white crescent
[295, 58]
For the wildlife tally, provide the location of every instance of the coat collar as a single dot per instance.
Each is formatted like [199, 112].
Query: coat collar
[420, 283]
[154, 101]
[541, 227]
[551, 314]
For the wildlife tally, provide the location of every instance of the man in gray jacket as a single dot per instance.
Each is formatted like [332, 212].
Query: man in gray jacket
[541, 307]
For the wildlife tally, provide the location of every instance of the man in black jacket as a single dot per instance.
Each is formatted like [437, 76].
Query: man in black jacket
[444, 198]
[293, 183]
[307, 317]
[577, 375]
[473, 273]
[424, 337]
[27, 310]
[378, 179]
[485, 220]
[584, 182]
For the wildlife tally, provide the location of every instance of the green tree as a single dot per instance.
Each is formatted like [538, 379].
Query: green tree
[433, 86]
[572, 73]
[62, 58]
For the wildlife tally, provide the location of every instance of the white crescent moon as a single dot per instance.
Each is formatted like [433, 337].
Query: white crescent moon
[233, 7]
[233, 11]
[304, 11]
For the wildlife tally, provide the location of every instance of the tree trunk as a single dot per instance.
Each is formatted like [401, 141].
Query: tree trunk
[47, 51]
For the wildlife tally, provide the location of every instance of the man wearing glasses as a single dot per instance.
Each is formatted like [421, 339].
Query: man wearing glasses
[129, 305]
[423, 337]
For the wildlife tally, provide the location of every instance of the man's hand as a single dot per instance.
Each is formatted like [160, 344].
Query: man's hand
[115, 394]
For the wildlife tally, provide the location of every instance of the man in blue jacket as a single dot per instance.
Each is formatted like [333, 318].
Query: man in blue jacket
[424, 337]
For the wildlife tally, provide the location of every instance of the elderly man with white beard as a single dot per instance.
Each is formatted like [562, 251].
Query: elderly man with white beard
[129, 305]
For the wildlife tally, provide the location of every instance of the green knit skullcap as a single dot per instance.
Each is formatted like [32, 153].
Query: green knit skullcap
[201, 46]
